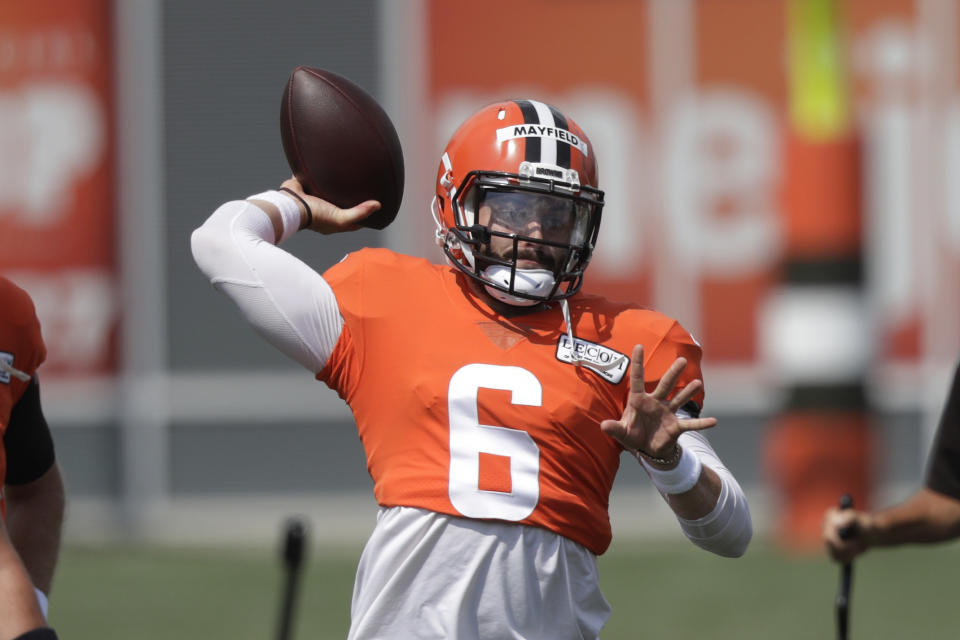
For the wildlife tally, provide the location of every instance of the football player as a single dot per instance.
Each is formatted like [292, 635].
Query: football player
[493, 398]
[32, 500]
[930, 515]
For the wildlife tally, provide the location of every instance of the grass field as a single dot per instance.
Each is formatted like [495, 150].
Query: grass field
[657, 589]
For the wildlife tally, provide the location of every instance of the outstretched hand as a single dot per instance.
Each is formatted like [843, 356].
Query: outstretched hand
[327, 217]
[649, 422]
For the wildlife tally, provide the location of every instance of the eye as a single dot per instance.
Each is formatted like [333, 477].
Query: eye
[551, 221]
[556, 219]
[508, 214]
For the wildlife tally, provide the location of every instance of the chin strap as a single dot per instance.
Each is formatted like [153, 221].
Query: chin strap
[577, 360]
[16, 373]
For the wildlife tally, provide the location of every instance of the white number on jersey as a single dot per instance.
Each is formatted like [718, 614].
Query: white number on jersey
[469, 438]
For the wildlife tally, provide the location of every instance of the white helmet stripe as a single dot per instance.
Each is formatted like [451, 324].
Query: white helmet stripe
[548, 146]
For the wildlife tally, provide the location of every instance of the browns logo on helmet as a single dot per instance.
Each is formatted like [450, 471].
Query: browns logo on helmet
[517, 204]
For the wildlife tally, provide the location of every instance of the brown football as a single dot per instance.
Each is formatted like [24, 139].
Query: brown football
[340, 143]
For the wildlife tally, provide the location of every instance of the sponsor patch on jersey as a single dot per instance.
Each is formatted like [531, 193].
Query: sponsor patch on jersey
[542, 131]
[6, 358]
[608, 364]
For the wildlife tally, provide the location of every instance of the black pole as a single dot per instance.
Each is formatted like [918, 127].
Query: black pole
[846, 579]
[293, 552]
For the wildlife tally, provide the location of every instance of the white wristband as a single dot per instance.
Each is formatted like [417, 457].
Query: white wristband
[681, 478]
[42, 601]
[289, 211]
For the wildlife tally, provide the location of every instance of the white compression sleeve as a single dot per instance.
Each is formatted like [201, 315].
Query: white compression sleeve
[725, 531]
[286, 301]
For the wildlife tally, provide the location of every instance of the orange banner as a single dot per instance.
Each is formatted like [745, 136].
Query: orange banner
[56, 174]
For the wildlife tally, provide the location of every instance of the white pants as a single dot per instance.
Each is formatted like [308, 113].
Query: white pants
[428, 575]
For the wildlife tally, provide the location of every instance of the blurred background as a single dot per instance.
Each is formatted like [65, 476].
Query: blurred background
[781, 176]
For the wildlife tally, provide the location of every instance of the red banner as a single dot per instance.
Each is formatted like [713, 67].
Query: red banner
[56, 174]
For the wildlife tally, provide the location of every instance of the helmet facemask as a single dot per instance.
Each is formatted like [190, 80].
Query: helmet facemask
[527, 239]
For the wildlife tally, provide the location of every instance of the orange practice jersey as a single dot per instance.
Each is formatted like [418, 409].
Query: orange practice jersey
[21, 347]
[464, 412]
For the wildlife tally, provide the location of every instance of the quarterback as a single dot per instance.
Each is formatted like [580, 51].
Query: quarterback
[493, 397]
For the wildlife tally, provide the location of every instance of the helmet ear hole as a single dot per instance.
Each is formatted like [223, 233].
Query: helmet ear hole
[446, 181]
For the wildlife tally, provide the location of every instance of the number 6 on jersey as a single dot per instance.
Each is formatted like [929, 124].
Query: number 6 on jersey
[469, 438]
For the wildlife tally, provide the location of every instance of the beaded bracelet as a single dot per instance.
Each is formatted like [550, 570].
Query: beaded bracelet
[673, 459]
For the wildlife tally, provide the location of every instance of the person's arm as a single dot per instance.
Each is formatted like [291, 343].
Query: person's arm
[33, 491]
[284, 300]
[925, 517]
[19, 611]
[34, 521]
[930, 515]
[725, 529]
[708, 502]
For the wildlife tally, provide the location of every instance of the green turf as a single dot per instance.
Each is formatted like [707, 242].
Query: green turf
[657, 589]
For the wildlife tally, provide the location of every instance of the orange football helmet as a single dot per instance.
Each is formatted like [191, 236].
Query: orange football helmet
[517, 204]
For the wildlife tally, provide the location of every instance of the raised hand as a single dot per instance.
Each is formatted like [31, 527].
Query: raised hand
[649, 422]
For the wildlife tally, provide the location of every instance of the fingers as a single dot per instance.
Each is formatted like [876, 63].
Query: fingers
[685, 395]
[696, 424]
[669, 379]
[665, 386]
[636, 370]
[667, 382]
[332, 219]
[293, 184]
[844, 547]
[615, 429]
[327, 217]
